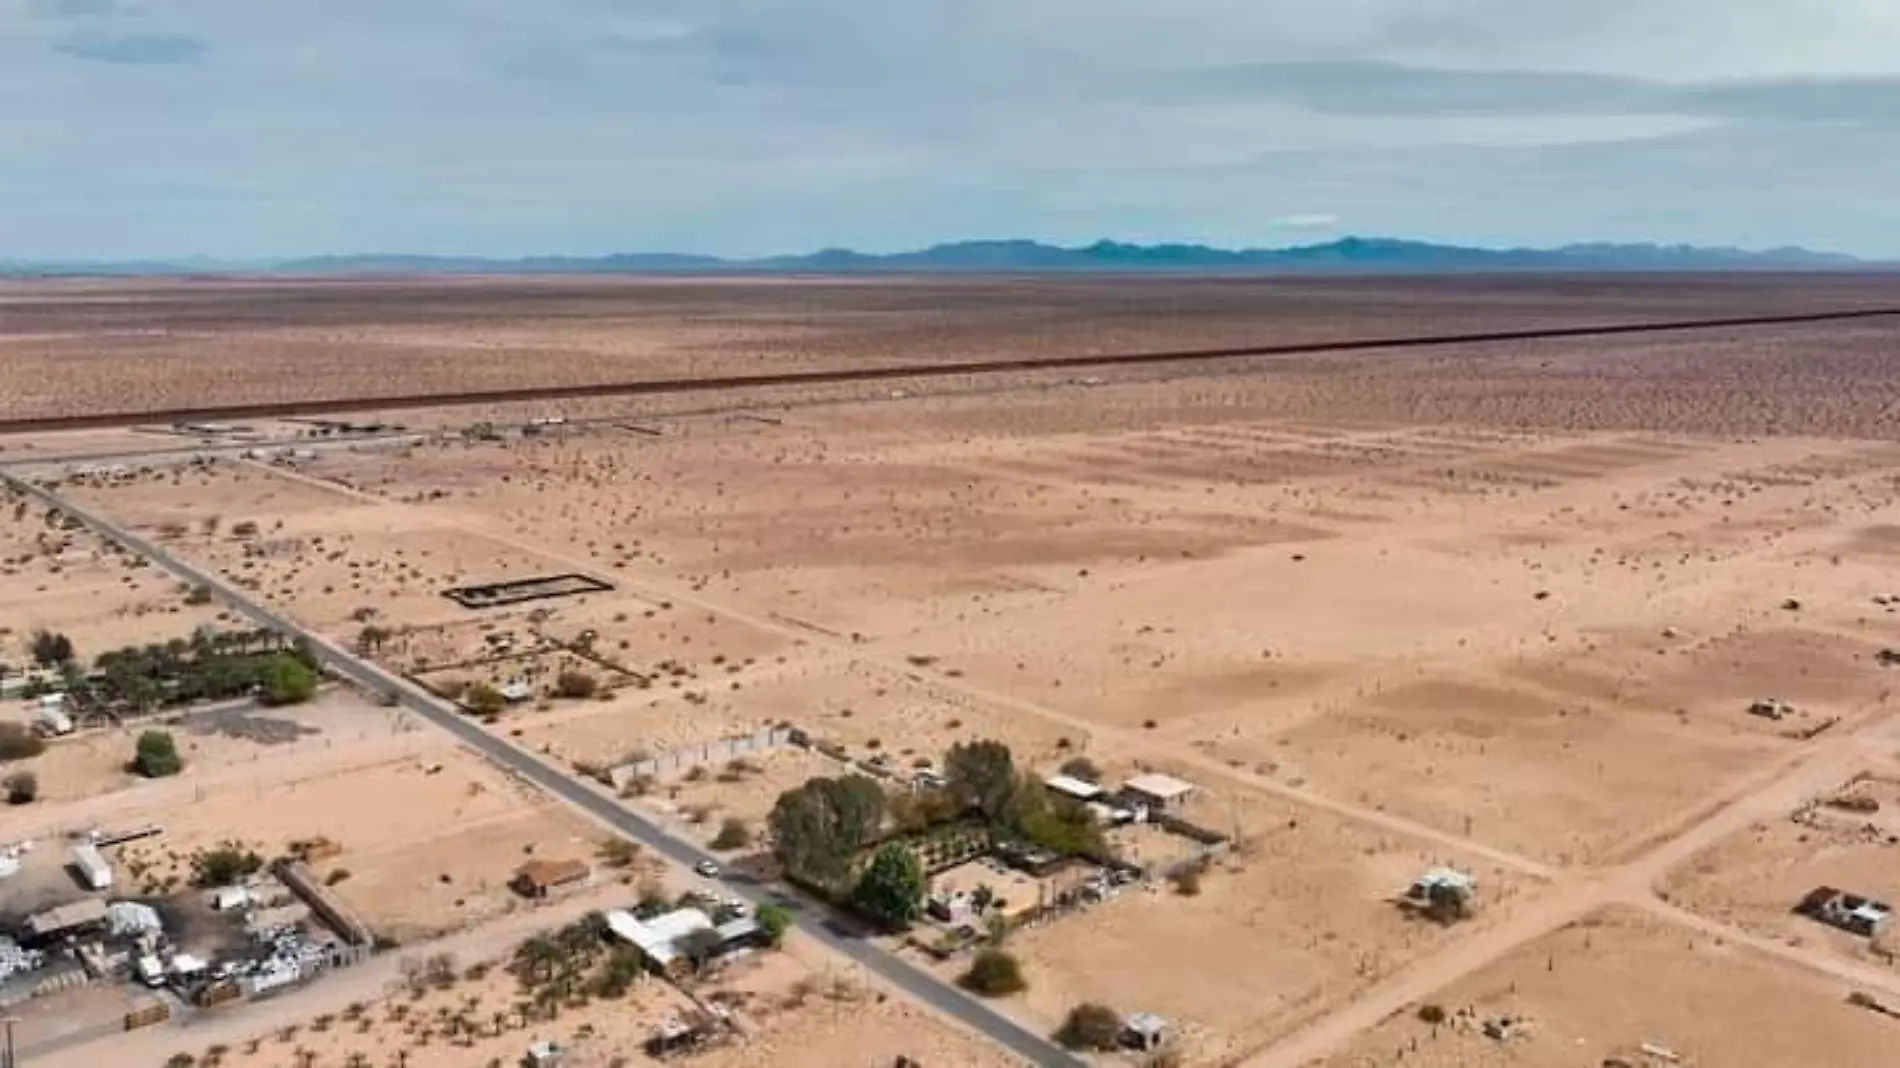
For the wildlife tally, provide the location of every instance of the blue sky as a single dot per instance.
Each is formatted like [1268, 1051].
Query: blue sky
[259, 128]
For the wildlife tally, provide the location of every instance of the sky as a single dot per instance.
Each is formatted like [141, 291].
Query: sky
[264, 128]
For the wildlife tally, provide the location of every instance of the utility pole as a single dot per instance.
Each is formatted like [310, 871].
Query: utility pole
[9, 1061]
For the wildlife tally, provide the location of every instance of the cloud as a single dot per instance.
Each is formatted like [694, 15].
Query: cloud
[134, 49]
[78, 9]
[1386, 89]
[1311, 221]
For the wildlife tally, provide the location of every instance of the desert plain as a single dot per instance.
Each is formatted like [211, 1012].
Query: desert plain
[1599, 622]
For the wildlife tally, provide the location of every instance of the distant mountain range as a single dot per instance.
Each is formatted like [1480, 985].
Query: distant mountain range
[1347, 255]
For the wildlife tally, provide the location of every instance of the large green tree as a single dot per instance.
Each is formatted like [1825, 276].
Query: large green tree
[819, 828]
[891, 890]
[286, 680]
[982, 776]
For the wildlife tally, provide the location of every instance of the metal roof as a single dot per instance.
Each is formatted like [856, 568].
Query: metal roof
[1165, 787]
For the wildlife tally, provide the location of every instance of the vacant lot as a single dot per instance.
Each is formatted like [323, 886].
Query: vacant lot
[1609, 985]
[112, 346]
[1754, 878]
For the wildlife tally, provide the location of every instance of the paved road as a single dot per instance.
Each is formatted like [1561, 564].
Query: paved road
[816, 922]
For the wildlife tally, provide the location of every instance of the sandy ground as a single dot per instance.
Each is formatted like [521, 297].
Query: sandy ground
[1752, 879]
[148, 344]
[1505, 609]
[1607, 986]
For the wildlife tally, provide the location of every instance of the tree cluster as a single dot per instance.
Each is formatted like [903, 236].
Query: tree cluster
[819, 828]
[156, 756]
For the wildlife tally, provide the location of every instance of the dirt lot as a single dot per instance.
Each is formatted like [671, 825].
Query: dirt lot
[214, 745]
[429, 841]
[1605, 987]
[70, 582]
[1311, 894]
[1753, 879]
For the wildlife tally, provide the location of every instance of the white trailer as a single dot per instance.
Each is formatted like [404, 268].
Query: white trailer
[92, 866]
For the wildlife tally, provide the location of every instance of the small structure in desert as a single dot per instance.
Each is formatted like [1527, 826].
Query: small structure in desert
[1848, 912]
[1771, 708]
[546, 1053]
[1155, 791]
[539, 879]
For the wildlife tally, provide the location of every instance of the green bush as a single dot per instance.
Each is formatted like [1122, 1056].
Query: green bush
[224, 865]
[576, 684]
[287, 681]
[993, 974]
[157, 755]
[484, 700]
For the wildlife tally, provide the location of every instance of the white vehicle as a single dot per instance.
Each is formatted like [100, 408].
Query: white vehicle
[707, 868]
[151, 972]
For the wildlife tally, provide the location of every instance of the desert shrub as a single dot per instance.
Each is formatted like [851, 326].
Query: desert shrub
[199, 594]
[575, 684]
[157, 755]
[1091, 1026]
[224, 864]
[483, 699]
[23, 788]
[733, 834]
[18, 742]
[1082, 768]
[336, 876]
[994, 973]
[1187, 881]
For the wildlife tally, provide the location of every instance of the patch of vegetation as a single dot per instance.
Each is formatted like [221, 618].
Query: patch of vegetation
[286, 680]
[157, 755]
[819, 828]
[575, 684]
[22, 787]
[484, 700]
[51, 650]
[993, 974]
[1091, 1026]
[892, 888]
[18, 742]
[774, 920]
[733, 834]
[224, 865]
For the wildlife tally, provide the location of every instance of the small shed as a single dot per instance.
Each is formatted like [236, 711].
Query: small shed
[1156, 790]
[230, 898]
[546, 1053]
[539, 878]
[1070, 786]
[1144, 1031]
[1440, 878]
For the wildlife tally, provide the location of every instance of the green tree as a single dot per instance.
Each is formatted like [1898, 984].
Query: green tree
[820, 827]
[891, 890]
[774, 920]
[157, 755]
[50, 649]
[286, 680]
[1091, 1026]
[982, 776]
[994, 973]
